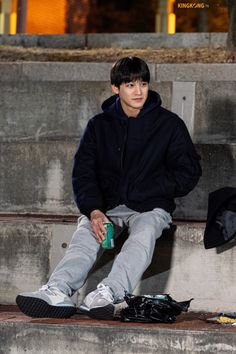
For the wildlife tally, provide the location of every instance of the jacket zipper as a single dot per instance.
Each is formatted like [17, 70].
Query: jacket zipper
[123, 147]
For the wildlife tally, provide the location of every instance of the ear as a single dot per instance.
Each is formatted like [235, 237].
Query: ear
[115, 89]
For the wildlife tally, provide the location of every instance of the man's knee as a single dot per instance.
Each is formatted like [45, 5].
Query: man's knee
[83, 232]
[151, 223]
[154, 218]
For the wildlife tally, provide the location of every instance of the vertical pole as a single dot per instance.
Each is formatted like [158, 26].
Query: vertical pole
[21, 16]
[231, 39]
[162, 17]
[203, 20]
[5, 12]
[1, 19]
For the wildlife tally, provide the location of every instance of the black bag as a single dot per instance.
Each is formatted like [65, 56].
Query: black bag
[148, 308]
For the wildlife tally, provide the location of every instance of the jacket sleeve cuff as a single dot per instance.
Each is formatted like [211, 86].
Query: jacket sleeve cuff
[88, 209]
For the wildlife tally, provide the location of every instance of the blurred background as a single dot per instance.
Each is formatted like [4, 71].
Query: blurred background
[112, 16]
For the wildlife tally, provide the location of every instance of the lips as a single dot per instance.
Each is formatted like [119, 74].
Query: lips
[138, 99]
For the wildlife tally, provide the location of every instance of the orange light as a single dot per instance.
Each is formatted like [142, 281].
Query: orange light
[47, 17]
[171, 23]
[171, 17]
[13, 21]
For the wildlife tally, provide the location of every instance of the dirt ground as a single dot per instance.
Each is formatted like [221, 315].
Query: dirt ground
[158, 56]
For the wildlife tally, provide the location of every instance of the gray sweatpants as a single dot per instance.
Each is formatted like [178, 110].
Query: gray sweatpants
[129, 265]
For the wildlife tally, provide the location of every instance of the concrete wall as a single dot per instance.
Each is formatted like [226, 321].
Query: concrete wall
[215, 108]
[24, 257]
[30, 250]
[44, 108]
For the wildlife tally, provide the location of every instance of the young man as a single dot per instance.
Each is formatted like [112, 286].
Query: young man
[133, 160]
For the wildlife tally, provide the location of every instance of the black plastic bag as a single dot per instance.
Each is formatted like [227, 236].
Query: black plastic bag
[148, 308]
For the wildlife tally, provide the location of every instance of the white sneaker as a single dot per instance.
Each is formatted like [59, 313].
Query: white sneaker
[46, 302]
[99, 303]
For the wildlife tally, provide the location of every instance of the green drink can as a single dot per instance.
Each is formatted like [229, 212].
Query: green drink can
[108, 242]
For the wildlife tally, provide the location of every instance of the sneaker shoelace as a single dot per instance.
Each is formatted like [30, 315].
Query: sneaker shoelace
[49, 290]
[105, 292]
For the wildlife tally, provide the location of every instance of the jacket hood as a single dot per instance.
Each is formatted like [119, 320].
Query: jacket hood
[113, 106]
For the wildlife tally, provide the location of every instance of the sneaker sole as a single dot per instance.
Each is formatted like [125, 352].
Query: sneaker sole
[102, 313]
[35, 307]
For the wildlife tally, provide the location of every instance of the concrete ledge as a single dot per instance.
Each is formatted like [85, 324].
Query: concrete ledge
[58, 71]
[50, 110]
[38, 176]
[61, 71]
[30, 250]
[65, 72]
[156, 40]
[43, 172]
[122, 40]
[144, 40]
[69, 41]
[55, 100]
[19, 335]
[195, 72]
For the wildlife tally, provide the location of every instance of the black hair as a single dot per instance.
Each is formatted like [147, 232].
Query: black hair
[129, 69]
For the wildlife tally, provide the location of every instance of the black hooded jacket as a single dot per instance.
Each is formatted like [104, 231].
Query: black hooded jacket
[143, 162]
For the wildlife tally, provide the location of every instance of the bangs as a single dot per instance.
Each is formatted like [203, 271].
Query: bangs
[136, 76]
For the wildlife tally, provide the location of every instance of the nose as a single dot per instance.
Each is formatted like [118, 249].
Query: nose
[138, 89]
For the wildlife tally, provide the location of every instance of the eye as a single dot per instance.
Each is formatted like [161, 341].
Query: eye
[144, 84]
[129, 84]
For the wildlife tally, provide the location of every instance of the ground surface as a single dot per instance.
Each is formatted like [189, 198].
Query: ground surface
[161, 55]
[186, 321]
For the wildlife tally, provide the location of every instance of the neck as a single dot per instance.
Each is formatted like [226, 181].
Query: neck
[129, 111]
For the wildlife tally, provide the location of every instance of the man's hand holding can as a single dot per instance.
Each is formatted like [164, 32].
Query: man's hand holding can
[98, 218]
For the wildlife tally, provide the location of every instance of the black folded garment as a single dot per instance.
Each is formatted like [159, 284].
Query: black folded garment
[226, 221]
[148, 308]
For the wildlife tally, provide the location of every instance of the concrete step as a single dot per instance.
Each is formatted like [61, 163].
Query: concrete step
[36, 177]
[31, 246]
[116, 40]
[190, 334]
[51, 100]
[39, 109]
[47, 105]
